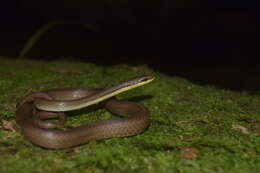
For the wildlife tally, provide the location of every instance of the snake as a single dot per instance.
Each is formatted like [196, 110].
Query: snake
[35, 108]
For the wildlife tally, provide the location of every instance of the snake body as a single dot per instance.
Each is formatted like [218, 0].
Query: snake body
[53, 103]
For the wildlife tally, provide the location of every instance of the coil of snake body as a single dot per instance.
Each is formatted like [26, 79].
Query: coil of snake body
[34, 108]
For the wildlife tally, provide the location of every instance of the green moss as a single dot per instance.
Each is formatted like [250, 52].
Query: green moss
[182, 115]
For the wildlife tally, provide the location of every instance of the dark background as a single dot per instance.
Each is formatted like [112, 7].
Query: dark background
[212, 42]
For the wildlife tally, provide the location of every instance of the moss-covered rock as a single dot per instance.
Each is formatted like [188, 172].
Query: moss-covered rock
[193, 128]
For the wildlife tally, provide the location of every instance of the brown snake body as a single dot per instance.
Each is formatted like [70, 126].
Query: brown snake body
[38, 132]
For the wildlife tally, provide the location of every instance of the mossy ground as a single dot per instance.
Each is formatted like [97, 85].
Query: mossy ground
[183, 115]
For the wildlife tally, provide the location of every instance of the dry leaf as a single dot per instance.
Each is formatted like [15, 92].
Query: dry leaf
[256, 127]
[72, 153]
[241, 129]
[253, 122]
[8, 125]
[189, 153]
[191, 139]
[250, 120]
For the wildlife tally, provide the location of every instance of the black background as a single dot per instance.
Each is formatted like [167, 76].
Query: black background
[208, 42]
